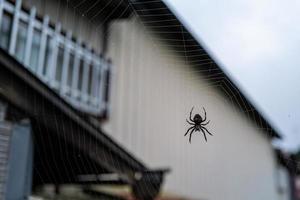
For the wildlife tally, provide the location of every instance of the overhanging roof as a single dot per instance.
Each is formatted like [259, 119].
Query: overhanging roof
[27, 93]
[161, 21]
[101, 10]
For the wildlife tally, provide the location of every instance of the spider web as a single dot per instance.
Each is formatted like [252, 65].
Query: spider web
[150, 103]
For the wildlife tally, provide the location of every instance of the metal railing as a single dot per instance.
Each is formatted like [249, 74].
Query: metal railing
[73, 70]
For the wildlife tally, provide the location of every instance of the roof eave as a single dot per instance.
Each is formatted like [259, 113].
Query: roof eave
[163, 22]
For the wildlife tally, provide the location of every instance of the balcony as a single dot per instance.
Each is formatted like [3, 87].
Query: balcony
[64, 63]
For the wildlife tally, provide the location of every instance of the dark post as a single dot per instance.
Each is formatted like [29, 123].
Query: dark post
[147, 184]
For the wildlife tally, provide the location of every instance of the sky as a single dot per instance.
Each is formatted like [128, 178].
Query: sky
[257, 44]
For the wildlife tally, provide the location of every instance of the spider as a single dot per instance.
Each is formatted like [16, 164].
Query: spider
[197, 124]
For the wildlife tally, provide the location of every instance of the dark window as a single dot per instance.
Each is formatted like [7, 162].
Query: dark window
[35, 49]
[90, 79]
[106, 86]
[5, 30]
[21, 40]
[47, 55]
[98, 84]
[59, 64]
[70, 69]
[80, 74]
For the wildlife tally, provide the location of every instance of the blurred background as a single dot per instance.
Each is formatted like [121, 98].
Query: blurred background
[96, 99]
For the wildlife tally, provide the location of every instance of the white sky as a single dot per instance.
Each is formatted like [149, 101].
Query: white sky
[257, 43]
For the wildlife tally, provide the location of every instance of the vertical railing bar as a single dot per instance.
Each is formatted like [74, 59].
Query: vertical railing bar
[66, 61]
[29, 37]
[97, 84]
[105, 77]
[92, 71]
[43, 46]
[14, 32]
[51, 68]
[83, 50]
[85, 79]
[74, 91]
[110, 77]
[96, 68]
[101, 91]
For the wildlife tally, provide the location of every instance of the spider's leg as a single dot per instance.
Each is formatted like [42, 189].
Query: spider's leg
[204, 134]
[188, 130]
[189, 122]
[191, 135]
[204, 114]
[191, 114]
[207, 130]
[205, 123]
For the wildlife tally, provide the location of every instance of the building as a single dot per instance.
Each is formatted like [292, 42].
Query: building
[100, 86]
[54, 94]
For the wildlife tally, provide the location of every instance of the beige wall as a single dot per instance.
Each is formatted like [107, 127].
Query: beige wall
[70, 19]
[152, 93]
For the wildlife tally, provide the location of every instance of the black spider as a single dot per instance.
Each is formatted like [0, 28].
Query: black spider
[198, 125]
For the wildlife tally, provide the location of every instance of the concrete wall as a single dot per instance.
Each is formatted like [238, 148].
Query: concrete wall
[153, 92]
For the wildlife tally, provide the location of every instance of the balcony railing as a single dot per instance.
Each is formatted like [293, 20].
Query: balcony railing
[73, 70]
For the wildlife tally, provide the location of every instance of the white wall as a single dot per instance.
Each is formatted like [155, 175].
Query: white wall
[283, 183]
[152, 93]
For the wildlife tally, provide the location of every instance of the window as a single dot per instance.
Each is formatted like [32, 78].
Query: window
[35, 48]
[21, 41]
[6, 26]
[59, 63]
